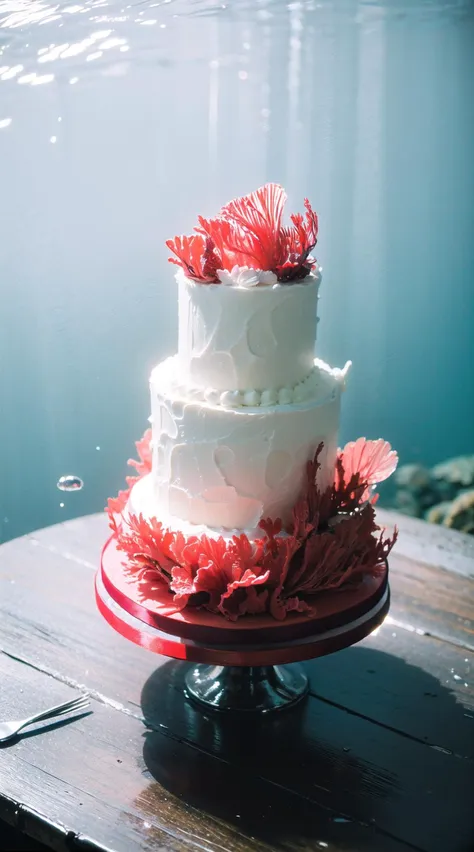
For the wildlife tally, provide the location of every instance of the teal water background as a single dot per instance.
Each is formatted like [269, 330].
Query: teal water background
[120, 121]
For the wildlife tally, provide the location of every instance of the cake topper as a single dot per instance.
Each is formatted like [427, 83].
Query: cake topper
[247, 245]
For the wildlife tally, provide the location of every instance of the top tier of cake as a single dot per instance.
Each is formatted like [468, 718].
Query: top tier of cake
[239, 338]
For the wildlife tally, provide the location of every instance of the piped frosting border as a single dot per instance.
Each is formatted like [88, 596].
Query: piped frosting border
[303, 392]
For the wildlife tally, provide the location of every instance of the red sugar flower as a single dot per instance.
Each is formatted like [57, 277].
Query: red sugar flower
[236, 600]
[197, 257]
[300, 241]
[344, 553]
[143, 446]
[116, 505]
[222, 235]
[272, 529]
[256, 218]
[203, 565]
[314, 507]
[215, 568]
[147, 546]
[371, 461]
[249, 232]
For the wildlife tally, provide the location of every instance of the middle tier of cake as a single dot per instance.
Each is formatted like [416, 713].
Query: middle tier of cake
[227, 467]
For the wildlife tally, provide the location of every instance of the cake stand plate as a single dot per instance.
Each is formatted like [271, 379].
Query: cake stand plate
[249, 665]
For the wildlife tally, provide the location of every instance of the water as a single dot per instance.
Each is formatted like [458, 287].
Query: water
[120, 121]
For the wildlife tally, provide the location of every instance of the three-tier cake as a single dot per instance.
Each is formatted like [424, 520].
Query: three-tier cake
[243, 503]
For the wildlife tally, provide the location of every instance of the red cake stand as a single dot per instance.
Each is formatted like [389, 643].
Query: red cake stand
[251, 664]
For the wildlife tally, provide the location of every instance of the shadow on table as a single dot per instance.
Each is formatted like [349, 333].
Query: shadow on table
[321, 762]
[13, 841]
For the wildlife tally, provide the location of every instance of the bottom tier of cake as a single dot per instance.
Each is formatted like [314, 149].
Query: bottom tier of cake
[331, 543]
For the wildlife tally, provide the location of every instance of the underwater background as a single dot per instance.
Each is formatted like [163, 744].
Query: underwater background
[119, 122]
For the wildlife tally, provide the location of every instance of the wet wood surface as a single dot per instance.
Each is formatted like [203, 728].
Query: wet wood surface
[380, 757]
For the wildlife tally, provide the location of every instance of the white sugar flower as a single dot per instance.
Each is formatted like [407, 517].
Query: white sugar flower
[267, 277]
[245, 276]
[239, 276]
[225, 277]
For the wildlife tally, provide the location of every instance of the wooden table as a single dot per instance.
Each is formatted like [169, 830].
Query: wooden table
[379, 758]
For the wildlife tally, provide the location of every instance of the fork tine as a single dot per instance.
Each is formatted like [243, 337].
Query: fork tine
[67, 707]
[77, 707]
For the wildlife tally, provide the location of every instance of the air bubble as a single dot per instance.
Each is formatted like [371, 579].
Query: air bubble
[70, 483]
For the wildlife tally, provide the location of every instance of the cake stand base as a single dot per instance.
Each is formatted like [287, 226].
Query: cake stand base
[248, 689]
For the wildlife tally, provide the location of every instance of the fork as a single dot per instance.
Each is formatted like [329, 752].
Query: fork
[8, 730]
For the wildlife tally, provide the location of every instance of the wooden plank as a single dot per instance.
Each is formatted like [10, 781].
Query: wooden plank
[430, 544]
[381, 678]
[98, 783]
[80, 541]
[433, 600]
[393, 672]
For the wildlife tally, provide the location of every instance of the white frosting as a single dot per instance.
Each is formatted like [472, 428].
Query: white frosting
[227, 467]
[143, 501]
[166, 376]
[246, 338]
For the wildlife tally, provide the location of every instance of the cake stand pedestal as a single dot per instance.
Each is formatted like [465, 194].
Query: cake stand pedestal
[250, 665]
[261, 688]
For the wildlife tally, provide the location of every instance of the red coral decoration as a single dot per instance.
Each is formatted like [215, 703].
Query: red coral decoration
[371, 461]
[257, 231]
[300, 241]
[148, 547]
[249, 232]
[116, 505]
[143, 465]
[332, 542]
[196, 256]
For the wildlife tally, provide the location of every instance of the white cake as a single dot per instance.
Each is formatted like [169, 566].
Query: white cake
[243, 503]
[241, 408]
